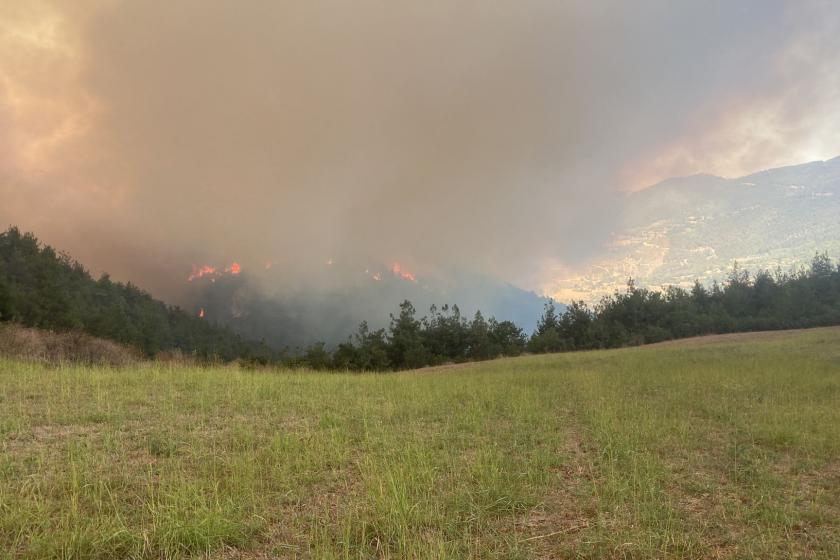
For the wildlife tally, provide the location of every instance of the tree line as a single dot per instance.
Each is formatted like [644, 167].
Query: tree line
[442, 336]
[767, 300]
[45, 289]
[42, 288]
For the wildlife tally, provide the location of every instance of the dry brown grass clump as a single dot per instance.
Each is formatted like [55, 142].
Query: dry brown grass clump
[52, 347]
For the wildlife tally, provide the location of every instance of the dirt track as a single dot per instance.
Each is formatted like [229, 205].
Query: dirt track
[737, 337]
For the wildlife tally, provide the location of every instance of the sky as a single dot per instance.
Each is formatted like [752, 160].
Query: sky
[492, 136]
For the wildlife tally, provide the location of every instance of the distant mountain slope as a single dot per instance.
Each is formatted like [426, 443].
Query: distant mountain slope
[696, 227]
[45, 289]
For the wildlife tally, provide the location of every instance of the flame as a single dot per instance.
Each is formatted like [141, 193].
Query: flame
[398, 270]
[212, 272]
[201, 313]
[376, 276]
[200, 272]
[268, 264]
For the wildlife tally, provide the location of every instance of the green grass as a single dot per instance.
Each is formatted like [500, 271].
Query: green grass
[719, 449]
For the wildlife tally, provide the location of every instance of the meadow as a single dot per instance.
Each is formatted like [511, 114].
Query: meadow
[725, 447]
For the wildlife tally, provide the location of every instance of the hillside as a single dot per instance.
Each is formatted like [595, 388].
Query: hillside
[39, 288]
[726, 449]
[48, 290]
[329, 308]
[695, 228]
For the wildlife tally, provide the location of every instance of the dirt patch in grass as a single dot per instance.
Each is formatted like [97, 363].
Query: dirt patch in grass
[737, 338]
[45, 437]
[291, 524]
[442, 368]
[814, 492]
[728, 500]
[554, 529]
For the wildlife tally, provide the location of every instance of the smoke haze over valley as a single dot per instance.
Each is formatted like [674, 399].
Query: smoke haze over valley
[259, 306]
[488, 148]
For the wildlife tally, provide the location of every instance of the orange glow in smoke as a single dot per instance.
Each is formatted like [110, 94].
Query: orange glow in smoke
[398, 270]
[234, 269]
[201, 272]
[201, 313]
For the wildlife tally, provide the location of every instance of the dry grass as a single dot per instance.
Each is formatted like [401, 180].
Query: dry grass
[57, 348]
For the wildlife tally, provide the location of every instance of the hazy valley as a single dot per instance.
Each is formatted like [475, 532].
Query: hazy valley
[696, 228]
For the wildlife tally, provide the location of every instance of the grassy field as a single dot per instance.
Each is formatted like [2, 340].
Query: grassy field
[719, 448]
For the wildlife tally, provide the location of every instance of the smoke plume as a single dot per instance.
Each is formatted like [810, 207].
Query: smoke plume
[148, 138]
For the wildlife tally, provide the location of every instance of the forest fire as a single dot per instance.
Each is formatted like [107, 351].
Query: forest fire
[201, 313]
[201, 272]
[398, 270]
[211, 271]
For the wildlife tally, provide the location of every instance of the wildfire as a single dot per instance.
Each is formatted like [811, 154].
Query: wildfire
[201, 272]
[398, 270]
[212, 272]
[201, 313]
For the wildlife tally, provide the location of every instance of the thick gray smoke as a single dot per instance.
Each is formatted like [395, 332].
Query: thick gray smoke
[492, 136]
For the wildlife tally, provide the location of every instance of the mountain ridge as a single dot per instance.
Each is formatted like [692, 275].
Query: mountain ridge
[696, 227]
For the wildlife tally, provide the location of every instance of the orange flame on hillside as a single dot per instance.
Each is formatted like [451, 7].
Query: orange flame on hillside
[201, 313]
[205, 270]
[398, 270]
[212, 272]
